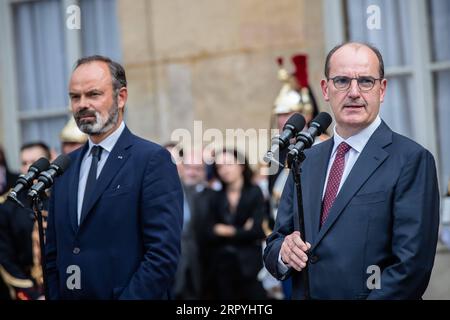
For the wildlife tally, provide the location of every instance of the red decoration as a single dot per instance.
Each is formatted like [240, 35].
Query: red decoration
[301, 70]
[280, 61]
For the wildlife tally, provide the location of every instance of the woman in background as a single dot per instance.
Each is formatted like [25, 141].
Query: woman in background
[234, 230]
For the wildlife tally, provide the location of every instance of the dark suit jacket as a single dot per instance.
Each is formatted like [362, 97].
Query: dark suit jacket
[16, 245]
[189, 279]
[386, 215]
[128, 244]
[245, 243]
[16, 226]
[11, 179]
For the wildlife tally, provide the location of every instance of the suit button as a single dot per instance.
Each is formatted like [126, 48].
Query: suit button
[313, 259]
[76, 250]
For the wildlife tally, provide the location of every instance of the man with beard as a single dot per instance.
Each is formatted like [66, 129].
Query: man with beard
[115, 215]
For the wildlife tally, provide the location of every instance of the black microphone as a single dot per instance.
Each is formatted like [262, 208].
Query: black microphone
[46, 178]
[26, 180]
[294, 124]
[306, 139]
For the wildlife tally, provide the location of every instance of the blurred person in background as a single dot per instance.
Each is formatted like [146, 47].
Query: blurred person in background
[7, 178]
[189, 280]
[234, 231]
[295, 96]
[71, 137]
[20, 267]
[177, 155]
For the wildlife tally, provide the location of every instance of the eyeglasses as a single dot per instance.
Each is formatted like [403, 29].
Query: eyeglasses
[365, 83]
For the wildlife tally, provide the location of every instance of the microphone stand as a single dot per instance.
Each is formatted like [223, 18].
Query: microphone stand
[299, 221]
[38, 206]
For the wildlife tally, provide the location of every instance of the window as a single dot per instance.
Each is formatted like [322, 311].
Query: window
[41, 70]
[439, 17]
[396, 51]
[41, 55]
[100, 30]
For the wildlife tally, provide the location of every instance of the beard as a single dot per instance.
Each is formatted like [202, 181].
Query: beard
[101, 124]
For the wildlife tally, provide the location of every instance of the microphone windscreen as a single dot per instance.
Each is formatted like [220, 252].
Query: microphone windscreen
[62, 163]
[322, 122]
[297, 121]
[41, 164]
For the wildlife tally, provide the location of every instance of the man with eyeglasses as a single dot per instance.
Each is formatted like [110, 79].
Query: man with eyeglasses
[370, 197]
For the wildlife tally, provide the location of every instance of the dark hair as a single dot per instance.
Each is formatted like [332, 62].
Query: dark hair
[3, 159]
[315, 107]
[242, 160]
[172, 145]
[119, 79]
[37, 144]
[368, 45]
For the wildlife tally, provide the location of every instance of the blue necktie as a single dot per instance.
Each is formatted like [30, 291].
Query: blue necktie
[96, 153]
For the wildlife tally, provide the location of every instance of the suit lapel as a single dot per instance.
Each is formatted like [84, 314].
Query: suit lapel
[73, 188]
[312, 199]
[116, 159]
[371, 157]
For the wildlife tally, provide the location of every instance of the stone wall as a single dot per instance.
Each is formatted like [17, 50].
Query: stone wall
[212, 60]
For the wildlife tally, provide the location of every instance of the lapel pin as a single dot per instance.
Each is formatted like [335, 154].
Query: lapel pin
[118, 186]
[120, 157]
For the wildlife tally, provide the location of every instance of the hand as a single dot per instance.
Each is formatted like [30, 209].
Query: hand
[248, 224]
[293, 251]
[224, 230]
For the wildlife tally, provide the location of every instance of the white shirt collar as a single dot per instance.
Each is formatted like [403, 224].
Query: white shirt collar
[359, 140]
[110, 141]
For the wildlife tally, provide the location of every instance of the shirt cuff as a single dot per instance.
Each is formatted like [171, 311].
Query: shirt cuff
[282, 267]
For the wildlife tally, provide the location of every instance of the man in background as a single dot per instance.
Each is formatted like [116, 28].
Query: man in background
[18, 263]
[71, 137]
[7, 178]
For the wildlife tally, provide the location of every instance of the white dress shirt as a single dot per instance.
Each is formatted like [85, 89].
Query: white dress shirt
[357, 143]
[107, 145]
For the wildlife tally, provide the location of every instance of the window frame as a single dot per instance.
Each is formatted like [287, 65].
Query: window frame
[12, 117]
